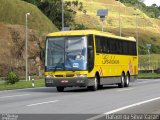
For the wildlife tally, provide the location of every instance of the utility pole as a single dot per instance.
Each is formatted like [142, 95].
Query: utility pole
[120, 26]
[27, 45]
[149, 55]
[62, 15]
[137, 30]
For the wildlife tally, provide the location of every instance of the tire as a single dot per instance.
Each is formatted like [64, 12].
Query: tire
[127, 80]
[60, 89]
[121, 85]
[95, 86]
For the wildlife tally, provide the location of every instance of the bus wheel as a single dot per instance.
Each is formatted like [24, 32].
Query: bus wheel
[60, 89]
[126, 84]
[121, 85]
[95, 86]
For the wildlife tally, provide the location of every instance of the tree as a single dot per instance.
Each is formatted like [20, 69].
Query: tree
[80, 27]
[34, 2]
[152, 11]
[53, 10]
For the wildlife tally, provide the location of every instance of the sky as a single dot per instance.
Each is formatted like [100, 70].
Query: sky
[150, 2]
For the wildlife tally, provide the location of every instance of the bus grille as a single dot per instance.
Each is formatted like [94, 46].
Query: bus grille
[58, 75]
[70, 75]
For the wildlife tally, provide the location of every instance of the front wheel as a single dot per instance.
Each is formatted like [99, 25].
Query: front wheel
[60, 89]
[95, 86]
[121, 85]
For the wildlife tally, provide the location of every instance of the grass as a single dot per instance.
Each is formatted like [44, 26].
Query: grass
[148, 75]
[41, 83]
[21, 85]
[155, 62]
[13, 12]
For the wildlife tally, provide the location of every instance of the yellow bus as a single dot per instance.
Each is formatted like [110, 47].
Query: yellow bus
[89, 58]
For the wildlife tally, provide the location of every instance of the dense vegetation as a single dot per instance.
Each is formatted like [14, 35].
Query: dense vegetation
[12, 77]
[53, 10]
[152, 11]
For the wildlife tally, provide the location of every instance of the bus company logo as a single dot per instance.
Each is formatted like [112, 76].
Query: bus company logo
[107, 59]
[130, 67]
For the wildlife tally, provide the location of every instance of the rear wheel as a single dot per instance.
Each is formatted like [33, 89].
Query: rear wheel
[60, 89]
[95, 86]
[127, 79]
[121, 85]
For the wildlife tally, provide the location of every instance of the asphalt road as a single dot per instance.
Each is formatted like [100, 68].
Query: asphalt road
[142, 97]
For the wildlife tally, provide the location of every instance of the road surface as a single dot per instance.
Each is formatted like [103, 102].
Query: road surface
[142, 97]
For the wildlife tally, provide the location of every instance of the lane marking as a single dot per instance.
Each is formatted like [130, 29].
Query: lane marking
[121, 90]
[42, 103]
[123, 108]
[14, 96]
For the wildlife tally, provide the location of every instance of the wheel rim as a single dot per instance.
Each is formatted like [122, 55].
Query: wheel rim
[95, 83]
[122, 80]
[127, 80]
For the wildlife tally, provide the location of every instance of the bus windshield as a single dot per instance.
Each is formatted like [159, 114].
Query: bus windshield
[66, 53]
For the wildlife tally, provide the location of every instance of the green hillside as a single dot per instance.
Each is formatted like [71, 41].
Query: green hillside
[148, 28]
[13, 12]
[12, 36]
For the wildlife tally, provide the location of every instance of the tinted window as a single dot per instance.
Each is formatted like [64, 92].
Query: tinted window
[115, 46]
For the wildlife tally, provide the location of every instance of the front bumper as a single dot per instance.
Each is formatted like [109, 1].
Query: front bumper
[69, 82]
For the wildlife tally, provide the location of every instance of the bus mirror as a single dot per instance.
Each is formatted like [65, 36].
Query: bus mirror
[42, 55]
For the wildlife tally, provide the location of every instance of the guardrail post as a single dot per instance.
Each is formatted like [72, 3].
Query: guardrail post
[32, 82]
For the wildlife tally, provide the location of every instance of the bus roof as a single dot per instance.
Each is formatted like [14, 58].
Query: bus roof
[88, 32]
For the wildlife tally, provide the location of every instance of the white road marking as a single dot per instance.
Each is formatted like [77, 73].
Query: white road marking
[14, 96]
[41, 103]
[123, 108]
[121, 90]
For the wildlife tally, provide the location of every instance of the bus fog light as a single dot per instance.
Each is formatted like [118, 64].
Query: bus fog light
[49, 76]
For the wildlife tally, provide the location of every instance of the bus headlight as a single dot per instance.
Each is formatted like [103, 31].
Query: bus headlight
[49, 76]
[81, 75]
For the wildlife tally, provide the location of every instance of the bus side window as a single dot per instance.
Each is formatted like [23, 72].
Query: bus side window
[98, 45]
[118, 47]
[102, 40]
[106, 45]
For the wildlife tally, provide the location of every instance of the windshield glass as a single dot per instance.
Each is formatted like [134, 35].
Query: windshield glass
[66, 53]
